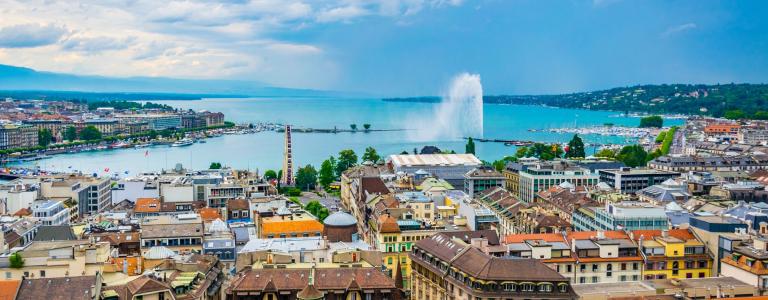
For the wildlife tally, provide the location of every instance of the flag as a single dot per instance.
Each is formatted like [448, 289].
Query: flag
[146, 153]
[106, 170]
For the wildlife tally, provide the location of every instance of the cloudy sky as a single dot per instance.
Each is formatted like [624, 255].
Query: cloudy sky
[395, 47]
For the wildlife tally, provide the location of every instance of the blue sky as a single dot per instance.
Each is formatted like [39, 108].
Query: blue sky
[396, 47]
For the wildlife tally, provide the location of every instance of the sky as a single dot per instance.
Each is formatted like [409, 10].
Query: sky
[395, 47]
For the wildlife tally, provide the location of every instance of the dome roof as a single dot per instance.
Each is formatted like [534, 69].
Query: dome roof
[340, 219]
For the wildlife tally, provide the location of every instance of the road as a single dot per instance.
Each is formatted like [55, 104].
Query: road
[330, 202]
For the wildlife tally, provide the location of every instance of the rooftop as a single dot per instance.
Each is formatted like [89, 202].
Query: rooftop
[411, 160]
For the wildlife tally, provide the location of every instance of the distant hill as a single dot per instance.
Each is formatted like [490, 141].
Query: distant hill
[694, 99]
[14, 78]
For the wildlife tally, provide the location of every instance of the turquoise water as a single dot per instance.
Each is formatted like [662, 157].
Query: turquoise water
[264, 150]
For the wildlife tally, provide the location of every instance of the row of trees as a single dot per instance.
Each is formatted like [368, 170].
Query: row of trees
[366, 127]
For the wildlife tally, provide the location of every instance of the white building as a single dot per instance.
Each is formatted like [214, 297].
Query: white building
[50, 212]
[133, 188]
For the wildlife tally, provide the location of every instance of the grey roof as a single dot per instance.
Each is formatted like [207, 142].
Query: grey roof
[55, 233]
[340, 219]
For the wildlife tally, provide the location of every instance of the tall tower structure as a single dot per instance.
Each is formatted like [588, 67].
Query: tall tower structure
[287, 158]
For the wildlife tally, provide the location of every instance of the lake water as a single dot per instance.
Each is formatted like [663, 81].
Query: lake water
[264, 150]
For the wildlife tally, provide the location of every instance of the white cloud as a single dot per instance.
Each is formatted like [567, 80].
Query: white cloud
[30, 35]
[186, 38]
[344, 13]
[674, 30]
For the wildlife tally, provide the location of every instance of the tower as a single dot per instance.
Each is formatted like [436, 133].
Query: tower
[287, 158]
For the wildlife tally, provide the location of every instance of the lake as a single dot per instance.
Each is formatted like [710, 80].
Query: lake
[264, 150]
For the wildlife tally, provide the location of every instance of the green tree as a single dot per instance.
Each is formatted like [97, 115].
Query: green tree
[544, 151]
[668, 139]
[70, 134]
[44, 137]
[270, 175]
[734, 114]
[347, 159]
[317, 209]
[500, 164]
[367, 126]
[90, 133]
[575, 147]
[470, 147]
[521, 152]
[371, 155]
[353, 127]
[661, 136]
[606, 153]
[152, 134]
[306, 177]
[404, 152]
[16, 261]
[326, 174]
[215, 166]
[651, 121]
[633, 156]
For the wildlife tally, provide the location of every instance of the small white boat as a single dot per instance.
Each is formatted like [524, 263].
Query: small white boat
[182, 143]
[142, 145]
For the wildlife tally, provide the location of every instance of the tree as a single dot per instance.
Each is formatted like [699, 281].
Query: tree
[734, 114]
[270, 175]
[606, 153]
[575, 147]
[500, 164]
[353, 127]
[544, 151]
[306, 177]
[633, 156]
[521, 152]
[279, 178]
[326, 174]
[347, 159]
[404, 152]
[651, 121]
[70, 134]
[215, 166]
[317, 209]
[371, 155]
[470, 147]
[44, 137]
[367, 126]
[17, 262]
[152, 134]
[661, 136]
[90, 133]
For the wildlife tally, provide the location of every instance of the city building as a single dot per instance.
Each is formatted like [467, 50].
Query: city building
[448, 268]
[57, 259]
[289, 224]
[625, 215]
[92, 194]
[219, 242]
[505, 208]
[564, 199]
[75, 287]
[692, 288]
[631, 180]
[544, 175]
[340, 227]
[180, 233]
[674, 253]
[51, 212]
[748, 262]
[450, 167]
[481, 179]
[605, 256]
[155, 121]
[18, 136]
[307, 282]
[550, 248]
[133, 188]
[710, 163]
[511, 173]
[666, 192]
[107, 127]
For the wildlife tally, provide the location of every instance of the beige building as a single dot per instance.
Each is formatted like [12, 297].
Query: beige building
[53, 259]
[180, 233]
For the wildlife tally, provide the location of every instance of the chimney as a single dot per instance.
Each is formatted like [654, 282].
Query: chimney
[480, 243]
[763, 228]
[665, 233]
[600, 235]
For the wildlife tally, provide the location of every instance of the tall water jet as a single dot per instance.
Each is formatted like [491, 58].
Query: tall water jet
[458, 115]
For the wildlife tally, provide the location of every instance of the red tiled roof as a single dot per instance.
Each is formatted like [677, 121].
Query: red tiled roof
[9, 288]
[147, 205]
[683, 234]
[584, 235]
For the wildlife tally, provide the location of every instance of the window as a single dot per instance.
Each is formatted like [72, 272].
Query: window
[702, 264]
[42, 273]
[582, 280]
[583, 268]
[595, 279]
[701, 274]
[569, 268]
[595, 267]
[623, 266]
[7, 275]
